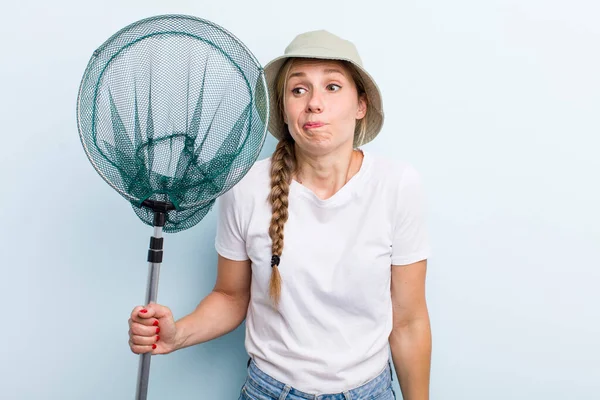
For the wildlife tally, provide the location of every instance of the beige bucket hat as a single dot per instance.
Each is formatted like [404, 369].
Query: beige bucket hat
[324, 45]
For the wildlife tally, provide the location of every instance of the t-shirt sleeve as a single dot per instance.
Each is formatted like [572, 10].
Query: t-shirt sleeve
[410, 240]
[230, 240]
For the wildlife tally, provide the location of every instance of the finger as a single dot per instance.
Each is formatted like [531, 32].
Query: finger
[138, 312]
[143, 330]
[143, 315]
[140, 349]
[150, 322]
[144, 340]
[157, 311]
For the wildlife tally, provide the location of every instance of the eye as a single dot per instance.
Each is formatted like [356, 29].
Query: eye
[298, 90]
[333, 87]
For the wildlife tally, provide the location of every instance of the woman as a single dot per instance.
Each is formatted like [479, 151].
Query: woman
[322, 247]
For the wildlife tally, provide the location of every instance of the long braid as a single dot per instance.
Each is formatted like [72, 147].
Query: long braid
[283, 165]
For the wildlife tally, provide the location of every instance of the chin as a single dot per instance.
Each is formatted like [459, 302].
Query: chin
[319, 147]
[320, 143]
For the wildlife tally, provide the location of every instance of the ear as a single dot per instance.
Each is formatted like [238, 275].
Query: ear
[361, 111]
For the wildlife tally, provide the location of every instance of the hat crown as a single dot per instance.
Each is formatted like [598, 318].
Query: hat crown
[323, 44]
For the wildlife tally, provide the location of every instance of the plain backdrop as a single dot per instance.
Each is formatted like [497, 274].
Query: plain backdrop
[495, 102]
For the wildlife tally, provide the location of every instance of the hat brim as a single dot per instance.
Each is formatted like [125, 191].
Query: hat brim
[375, 116]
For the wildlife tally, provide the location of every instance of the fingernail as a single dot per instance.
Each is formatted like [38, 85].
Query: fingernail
[157, 330]
[144, 311]
[155, 323]
[153, 346]
[157, 338]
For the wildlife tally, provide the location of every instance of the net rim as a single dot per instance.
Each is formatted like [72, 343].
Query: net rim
[194, 19]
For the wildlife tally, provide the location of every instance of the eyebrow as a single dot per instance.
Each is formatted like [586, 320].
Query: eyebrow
[327, 71]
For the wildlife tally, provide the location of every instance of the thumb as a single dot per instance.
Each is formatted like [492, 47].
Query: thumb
[154, 310]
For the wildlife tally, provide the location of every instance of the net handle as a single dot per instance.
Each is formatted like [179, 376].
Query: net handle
[155, 253]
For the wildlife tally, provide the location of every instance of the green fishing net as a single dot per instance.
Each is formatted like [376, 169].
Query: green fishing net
[172, 109]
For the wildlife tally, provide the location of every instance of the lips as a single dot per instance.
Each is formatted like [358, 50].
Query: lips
[312, 125]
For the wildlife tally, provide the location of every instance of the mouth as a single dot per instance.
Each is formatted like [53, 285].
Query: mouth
[312, 125]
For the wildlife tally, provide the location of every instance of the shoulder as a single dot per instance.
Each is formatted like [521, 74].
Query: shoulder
[256, 182]
[259, 173]
[392, 172]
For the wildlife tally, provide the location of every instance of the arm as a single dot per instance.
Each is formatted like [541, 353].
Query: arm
[410, 340]
[222, 310]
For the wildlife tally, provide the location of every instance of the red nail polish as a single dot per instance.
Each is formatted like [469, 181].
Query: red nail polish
[155, 323]
[153, 346]
[144, 311]
[157, 338]
[157, 330]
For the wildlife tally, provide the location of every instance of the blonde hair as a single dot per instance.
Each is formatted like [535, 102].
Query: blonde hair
[284, 166]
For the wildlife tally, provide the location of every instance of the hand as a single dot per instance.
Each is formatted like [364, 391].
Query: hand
[152, 330]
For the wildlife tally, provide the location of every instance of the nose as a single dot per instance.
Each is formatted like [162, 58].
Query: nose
[315, 103]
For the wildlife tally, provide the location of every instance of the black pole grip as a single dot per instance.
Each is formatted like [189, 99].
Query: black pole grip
[160, 218]
[155, 256]
[155, 253]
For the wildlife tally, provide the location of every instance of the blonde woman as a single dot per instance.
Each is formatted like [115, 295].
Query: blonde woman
[322, 247]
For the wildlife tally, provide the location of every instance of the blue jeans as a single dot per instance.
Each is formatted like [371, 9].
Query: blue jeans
[260, 386]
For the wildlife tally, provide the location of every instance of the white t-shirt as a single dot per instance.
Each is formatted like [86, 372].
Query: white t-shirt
[330, 333]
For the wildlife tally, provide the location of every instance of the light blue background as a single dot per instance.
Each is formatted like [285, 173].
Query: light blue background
[495, 102]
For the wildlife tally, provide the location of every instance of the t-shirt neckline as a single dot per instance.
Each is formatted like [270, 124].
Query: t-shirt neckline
[343, 195]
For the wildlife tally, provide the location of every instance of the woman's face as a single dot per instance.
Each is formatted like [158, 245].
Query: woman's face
[321, 105]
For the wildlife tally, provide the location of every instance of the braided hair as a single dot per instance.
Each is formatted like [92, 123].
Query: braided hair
[283, 164]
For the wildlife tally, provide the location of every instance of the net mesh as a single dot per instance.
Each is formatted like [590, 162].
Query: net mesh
[173, 108]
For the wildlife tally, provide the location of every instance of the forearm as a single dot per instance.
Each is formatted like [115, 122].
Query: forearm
[216, 315]
[411, 353]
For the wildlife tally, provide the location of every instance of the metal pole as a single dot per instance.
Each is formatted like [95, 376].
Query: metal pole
[155, 260]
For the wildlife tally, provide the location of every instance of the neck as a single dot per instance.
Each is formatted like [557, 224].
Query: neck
[328, 173]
